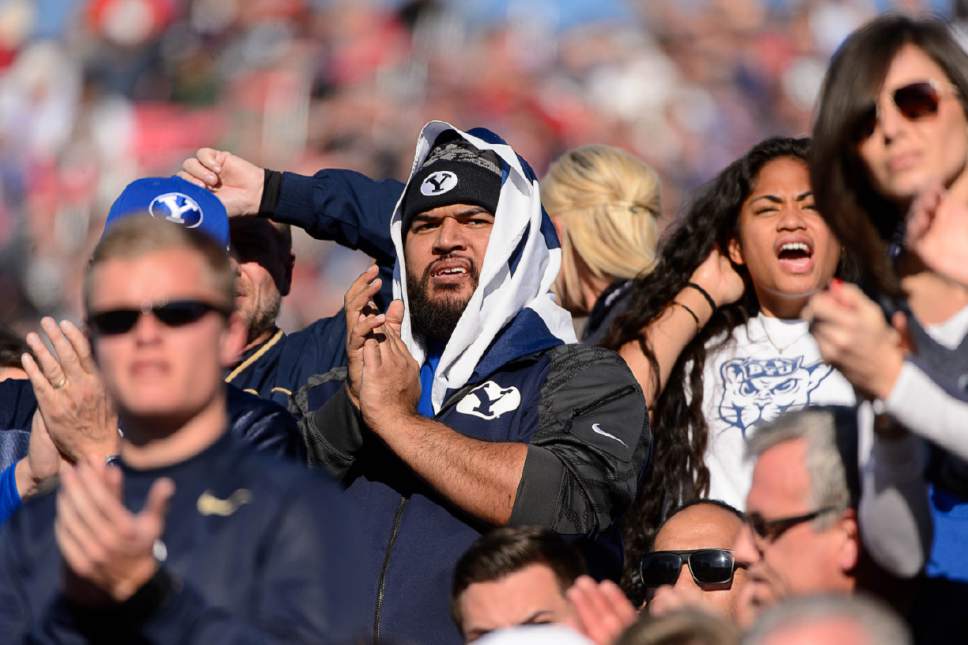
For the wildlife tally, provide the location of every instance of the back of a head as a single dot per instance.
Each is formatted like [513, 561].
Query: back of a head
[683, 627]
[139, 235]
[535, 635]
[608, 202]
[506, 550]
[846, 620]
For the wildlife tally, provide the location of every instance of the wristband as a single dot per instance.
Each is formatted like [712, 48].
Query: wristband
[271, 187]
[690, 312]
[705, 294]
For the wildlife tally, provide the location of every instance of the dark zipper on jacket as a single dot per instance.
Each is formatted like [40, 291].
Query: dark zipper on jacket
[617, 394]
[381, 587]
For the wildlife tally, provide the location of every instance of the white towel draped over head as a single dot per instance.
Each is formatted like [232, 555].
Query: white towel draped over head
[520, 266]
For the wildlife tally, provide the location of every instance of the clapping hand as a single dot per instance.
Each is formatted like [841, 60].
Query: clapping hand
[75, 409]
[603, 610]
[390, 379]
[362, 321]
[108, 551]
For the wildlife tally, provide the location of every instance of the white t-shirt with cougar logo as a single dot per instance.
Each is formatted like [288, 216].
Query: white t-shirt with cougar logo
[768, 367]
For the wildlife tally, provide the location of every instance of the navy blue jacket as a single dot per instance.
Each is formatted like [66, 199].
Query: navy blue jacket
[353, 211]
[259, 551]
[578, 408]
[264, 424]
[610, 304]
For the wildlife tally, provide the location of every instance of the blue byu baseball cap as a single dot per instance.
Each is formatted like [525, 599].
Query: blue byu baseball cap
[174, 200]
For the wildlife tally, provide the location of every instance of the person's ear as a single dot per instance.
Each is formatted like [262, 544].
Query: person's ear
[735, 251]
[286, 285]
[233, 339]
[848, 556]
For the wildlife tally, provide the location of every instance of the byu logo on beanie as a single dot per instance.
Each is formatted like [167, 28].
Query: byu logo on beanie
[177, 208]
[438, 183]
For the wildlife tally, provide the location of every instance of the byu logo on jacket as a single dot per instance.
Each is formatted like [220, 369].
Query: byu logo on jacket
[490, 400]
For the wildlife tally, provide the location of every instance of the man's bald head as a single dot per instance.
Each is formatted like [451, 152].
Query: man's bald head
[704, 524]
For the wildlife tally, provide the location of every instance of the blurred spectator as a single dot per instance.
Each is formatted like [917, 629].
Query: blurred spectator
[906, 347]
[514, 576]
[681, 627]
[801, 534]
[97, 92]
[185, 541]
[535, 635]
[831, 618]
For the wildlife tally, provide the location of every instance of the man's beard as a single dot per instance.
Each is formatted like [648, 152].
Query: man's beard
[433, 320]
[263, 317]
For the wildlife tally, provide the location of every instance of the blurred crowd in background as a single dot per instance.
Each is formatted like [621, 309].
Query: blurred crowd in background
[95, 93]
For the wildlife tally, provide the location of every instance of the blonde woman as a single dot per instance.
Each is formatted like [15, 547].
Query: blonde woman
[604, 203]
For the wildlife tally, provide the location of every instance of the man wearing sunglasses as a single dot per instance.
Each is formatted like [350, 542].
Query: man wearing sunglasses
[691, 565]
[801, 534]
[194, 537]
[691, 562]
[70, 399]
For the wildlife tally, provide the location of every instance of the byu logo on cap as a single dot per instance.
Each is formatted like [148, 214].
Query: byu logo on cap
[438, 183]
[177, 208]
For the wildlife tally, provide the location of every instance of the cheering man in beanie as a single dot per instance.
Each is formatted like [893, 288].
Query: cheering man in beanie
[463, 406]
[194, 537]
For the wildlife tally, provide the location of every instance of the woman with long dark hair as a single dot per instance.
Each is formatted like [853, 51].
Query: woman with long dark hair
[713, 334]
[892, 131]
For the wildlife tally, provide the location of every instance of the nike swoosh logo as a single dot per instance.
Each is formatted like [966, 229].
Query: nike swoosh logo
[597, 430]
[209, 504]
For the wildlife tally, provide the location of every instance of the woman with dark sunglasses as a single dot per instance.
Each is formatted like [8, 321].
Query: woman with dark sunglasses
[892, 126]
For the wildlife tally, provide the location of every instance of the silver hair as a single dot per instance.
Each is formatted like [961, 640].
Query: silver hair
[824, 462]
[876, 621]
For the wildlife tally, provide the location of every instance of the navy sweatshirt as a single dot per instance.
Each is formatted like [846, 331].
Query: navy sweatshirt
[259, 550]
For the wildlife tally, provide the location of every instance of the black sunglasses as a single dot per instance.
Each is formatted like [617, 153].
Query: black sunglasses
[176, 313]
[915, 101]
[707, 566]
[770, 530]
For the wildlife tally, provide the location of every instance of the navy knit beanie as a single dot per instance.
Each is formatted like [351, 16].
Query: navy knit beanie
[454, 172]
